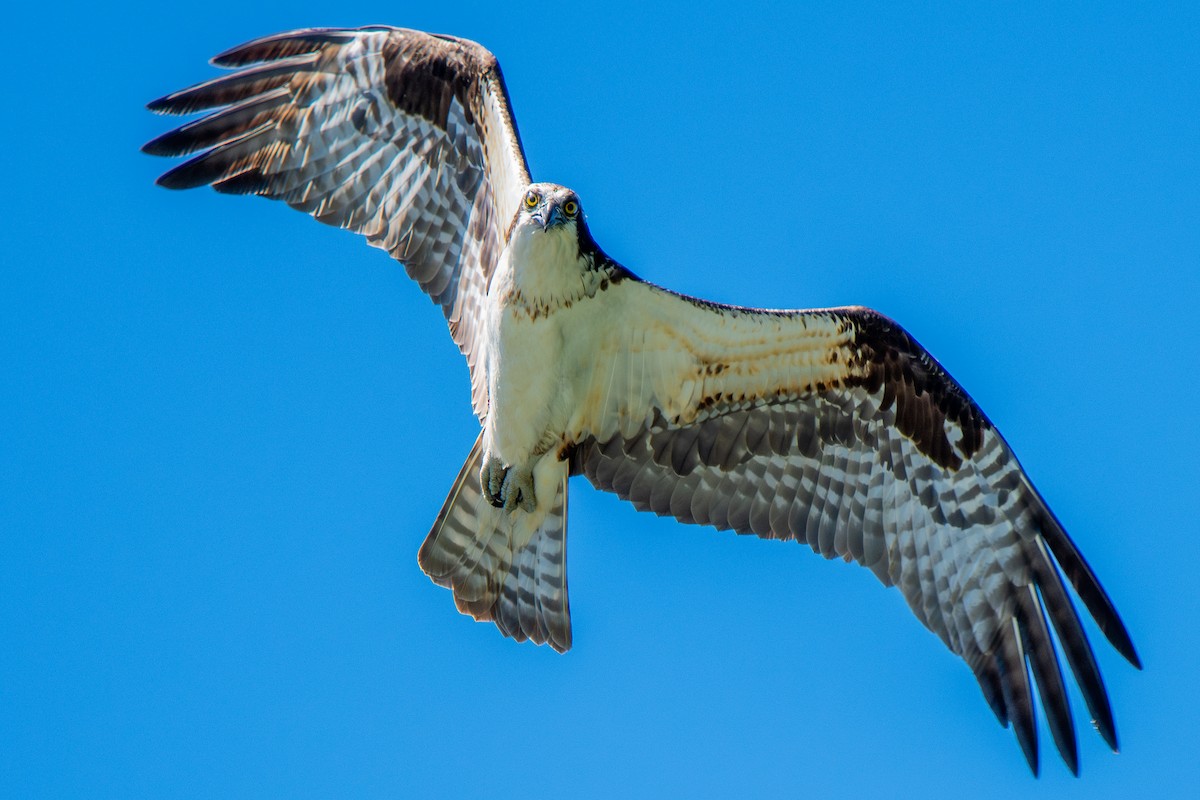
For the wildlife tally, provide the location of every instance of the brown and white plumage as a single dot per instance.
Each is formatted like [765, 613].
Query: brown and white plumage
[498, 565]
[832, 427]
[401, 136]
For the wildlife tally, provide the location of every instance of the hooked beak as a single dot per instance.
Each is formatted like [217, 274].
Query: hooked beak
[553, 216]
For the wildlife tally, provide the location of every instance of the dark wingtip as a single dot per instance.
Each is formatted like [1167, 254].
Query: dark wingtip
[227, 58]
[282, 45]
[166, 182]
[160, 146]
[1016, 690]
[170, 104]
[185, 176]
[1043, 663]
[245, 53]
[1086, 584]
[1127, 649]
[1114, 630]
[234, 56]
[1031, 757]
[1069, 751]
[1108, 732]
[161, 105]
[1029, 748]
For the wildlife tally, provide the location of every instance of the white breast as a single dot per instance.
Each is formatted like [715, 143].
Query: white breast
[537, 280]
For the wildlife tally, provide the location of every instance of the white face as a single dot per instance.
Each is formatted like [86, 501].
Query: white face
[549, 208]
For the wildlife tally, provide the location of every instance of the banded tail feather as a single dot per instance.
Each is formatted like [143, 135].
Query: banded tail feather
[510, 569]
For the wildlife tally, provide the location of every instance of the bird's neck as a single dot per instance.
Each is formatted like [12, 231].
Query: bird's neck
[545, 267]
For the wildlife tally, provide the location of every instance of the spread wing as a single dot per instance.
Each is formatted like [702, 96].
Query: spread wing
[402, 136]
[836, 429]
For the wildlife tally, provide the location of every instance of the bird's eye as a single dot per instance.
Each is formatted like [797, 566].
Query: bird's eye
[531, 199]
[571, 208]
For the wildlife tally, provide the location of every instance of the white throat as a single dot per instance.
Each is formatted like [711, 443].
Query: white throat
[545, 264]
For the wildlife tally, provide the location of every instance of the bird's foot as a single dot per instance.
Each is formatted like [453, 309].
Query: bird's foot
[507, 487]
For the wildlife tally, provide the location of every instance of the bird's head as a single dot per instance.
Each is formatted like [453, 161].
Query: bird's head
[550, 208]
[549, 230]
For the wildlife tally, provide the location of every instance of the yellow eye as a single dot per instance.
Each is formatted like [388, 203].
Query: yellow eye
[531, 199]
[570, 208]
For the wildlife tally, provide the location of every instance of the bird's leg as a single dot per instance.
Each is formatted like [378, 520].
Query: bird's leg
[507, 487]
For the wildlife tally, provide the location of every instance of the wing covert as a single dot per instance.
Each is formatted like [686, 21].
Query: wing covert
[404, 137]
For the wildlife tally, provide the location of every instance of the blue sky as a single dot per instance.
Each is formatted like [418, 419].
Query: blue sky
[227, 428]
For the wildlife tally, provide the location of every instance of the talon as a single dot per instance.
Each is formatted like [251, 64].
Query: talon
[491, 480]
[509, 488]
[518, 490]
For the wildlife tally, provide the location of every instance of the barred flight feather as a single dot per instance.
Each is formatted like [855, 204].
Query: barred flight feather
[404, 137]
[886, 462]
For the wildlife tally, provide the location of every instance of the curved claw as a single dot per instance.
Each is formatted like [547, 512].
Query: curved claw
[509, 488]
[518, 490]
[491, 480]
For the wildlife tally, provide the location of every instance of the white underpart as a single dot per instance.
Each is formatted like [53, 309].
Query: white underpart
[528, 399]
[603, 364]
[647, 350]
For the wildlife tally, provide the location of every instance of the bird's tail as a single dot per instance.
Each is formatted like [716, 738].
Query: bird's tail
[507, 567]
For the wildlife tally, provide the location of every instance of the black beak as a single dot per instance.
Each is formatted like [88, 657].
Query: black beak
[553, 216]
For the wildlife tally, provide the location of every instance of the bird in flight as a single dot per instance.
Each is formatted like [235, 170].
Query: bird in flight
[832, 427]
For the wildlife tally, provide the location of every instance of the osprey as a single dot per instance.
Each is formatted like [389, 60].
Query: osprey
[831, 427]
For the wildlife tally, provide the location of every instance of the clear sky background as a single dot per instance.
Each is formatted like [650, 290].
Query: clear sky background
[225, 429]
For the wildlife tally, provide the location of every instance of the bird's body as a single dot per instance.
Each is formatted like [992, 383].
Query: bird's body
[831, 427]
[532, 354]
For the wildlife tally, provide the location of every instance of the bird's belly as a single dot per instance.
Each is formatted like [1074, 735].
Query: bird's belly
[524, 386]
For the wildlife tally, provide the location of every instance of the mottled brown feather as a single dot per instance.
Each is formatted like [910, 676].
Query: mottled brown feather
[402, 136]
[965, 537]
